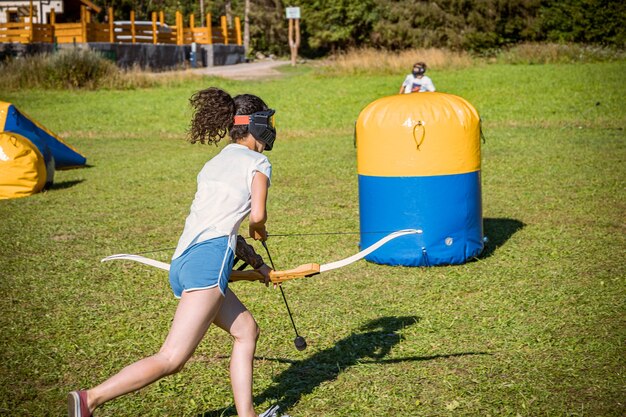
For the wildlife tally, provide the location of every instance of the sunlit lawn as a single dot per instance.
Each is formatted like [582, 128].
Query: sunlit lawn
[534, 327]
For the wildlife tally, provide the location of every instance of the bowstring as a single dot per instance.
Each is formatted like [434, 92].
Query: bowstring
[281, 235]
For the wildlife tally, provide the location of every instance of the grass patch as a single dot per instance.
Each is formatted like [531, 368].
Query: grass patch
[535, 327]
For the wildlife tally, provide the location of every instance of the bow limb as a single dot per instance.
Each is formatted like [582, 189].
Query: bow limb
[138, 258]
[276, 277]
[351, 259]
[252, 275]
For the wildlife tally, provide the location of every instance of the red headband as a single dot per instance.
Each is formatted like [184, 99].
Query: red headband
[242, 120]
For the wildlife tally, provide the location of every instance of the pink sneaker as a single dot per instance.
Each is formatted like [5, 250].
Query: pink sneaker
[77, 404]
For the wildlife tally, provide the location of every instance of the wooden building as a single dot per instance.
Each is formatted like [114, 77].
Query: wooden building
[66, 11]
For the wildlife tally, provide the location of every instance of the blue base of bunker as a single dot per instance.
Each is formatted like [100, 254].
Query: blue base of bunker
[450, 221]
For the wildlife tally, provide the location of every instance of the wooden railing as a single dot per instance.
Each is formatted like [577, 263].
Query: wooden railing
[69, 32]
[155, 32]
[26, 33]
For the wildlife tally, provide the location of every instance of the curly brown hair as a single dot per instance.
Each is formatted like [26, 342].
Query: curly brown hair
[213, 115]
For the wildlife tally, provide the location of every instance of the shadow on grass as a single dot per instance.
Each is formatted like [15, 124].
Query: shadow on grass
[498, 231]
[371, 345]
[66, 184]
[62, 185]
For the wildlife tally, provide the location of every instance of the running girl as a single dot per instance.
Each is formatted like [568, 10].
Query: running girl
[231, 186]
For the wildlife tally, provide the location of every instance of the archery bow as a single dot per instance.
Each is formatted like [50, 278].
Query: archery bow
[302, 271]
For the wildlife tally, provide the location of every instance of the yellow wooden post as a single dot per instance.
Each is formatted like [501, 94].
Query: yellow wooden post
[52, 22]
[132, 26]
[87, 22]
[175, 26]
[30, 22]
[161, 18]
[225, 29]
[209, 30]
[111, 28]
[83, 23]
[154, 28]
[238, 30]
[179, 28]
[192, 26]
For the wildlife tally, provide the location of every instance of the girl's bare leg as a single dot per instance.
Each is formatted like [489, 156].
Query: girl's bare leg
[238, 321]
[194, 314]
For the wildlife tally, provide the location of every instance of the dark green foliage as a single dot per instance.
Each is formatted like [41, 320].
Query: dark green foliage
[585, 21]
[268, 27]
[455, 24]
[332, 25]
[479, 26]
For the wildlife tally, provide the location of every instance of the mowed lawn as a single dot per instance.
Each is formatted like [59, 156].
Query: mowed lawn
[535, 327]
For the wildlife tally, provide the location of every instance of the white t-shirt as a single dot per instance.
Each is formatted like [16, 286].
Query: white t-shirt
[223, 198]
[413, 84]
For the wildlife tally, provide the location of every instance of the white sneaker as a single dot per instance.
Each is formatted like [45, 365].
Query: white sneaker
[270, 412]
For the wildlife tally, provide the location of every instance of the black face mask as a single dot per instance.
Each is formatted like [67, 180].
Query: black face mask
[261, 126]
[418, 71]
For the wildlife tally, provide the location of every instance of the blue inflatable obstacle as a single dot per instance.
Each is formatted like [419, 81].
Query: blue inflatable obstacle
[30, 154]
[418, 161]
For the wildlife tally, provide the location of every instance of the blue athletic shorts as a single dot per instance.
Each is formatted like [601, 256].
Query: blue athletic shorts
[201, 266]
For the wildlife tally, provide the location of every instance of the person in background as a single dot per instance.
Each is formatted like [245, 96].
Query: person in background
[417, 81]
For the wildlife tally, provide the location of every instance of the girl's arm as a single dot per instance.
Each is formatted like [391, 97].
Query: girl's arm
[258, 212]
[404, 83]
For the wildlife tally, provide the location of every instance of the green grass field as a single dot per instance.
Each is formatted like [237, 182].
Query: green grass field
[535, 327]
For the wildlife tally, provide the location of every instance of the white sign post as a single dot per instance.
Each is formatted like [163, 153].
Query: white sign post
[293, 15]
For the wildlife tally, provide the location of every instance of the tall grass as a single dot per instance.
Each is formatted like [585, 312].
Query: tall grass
[380, 62]
[71, 68]
[556, 53]
[384, 62]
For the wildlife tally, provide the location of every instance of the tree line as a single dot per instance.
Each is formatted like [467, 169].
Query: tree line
[478, 26]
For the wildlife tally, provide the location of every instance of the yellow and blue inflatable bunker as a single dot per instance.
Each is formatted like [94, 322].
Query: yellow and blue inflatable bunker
[418, 162]
[30, 154]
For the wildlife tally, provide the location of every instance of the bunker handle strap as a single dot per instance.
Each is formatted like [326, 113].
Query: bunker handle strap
[421, 140]
[425, 256]
[480, 126]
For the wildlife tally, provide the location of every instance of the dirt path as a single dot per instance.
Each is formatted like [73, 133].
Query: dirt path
[247, 71]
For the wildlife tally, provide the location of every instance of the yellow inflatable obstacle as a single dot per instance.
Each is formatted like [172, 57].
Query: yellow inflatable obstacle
[30, 154]
[22, 167]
